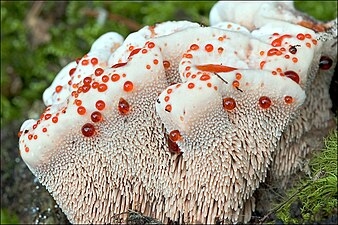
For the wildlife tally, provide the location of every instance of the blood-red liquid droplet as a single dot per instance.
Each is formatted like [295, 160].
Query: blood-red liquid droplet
[96, 116]
[292, 75]
[128, 86]
[293, 50]
[264, 102]
[98, 71]
[123, 106]
[173, 147]
[134, 52]
[166, 64]
[229, 103]
[118, 65]
[288, 99]
[88, 130]
[325, 63]
[175, 135]
[100, 105]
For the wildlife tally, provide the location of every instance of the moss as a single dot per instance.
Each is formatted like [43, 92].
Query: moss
[8, 218]
[316, 196]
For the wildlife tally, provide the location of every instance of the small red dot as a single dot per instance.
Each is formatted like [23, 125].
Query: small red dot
[166, 64]
[102, 87]
[98, 72]
[71, 71]
[96, 116]
[288, 99]
[123, 106]
[205, 77]
[87, 80]
[105, 79]
[47, 116]
[100, 105]
[58, 89]
[194, 47]
[168, 108]
[115, 77]
[85, 88]
[209, 48]
[128, 86]
[229, 103]
[264, 102]
[191, 85]
[85, 62]
[55, 119]
[151, 45]
[81, 110]
[175, 135]
[94, 61]
[88, 130]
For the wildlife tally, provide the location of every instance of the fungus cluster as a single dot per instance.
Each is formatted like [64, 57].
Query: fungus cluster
[183, 122]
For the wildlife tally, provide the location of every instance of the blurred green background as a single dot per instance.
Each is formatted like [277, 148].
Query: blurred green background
[39, 38]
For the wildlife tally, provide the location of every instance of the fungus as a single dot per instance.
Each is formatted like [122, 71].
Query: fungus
[122, 136]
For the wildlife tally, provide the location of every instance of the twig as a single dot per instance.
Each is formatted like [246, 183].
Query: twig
[281, 205]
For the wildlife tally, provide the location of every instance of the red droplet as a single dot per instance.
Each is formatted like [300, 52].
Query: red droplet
[58, 88]
[151, 45]
[71, 71]
[168, 108]
[95, 84]
[191, 85]
[123, 106]
[288, 99]
[44, 129]
[194, 47]
[293, 50]
[274, 51]
[209, 48]
[128, 86]
[81, 110]
[47, 116]
[55, 119]
[134, 52]
[229, 103]
[78, 102]
[85, 88]
[85, 62]
[26, 149]
[166, 64]
[88, 130]
[175, 135]
[105, 79]
[19, 134]
[215, 68]
[96, 116]
[325, 63]
[173, 147]
[115, 77]
[98, 72]
[94, 61]
[264, 102]
[87, 80]
[102, 87]
[278, 42]
[100, 105]
[118, 65]
[205, 77]
[292, 75]
[300, 36]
